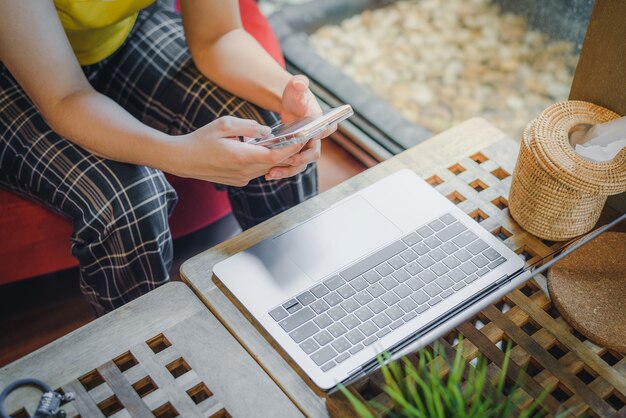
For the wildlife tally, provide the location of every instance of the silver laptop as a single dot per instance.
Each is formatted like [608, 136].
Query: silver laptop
[393, 265]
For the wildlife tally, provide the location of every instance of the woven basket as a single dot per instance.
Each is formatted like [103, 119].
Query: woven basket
[556, 194]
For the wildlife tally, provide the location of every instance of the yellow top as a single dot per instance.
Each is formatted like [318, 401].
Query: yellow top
[96, 28]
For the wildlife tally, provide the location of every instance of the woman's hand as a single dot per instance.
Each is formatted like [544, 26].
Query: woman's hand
[298, 102]
[214, 153]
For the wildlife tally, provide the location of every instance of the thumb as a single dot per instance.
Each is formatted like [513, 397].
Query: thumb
[300, 83]
[231, 126]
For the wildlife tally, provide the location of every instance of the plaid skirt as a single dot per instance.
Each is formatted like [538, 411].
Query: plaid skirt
[119, 211]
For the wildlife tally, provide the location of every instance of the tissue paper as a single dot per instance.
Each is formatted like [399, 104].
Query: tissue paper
[600, 142]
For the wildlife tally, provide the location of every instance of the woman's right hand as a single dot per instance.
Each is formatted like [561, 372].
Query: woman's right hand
[213, 153]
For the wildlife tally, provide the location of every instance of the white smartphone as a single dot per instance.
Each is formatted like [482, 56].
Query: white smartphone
[302, 130]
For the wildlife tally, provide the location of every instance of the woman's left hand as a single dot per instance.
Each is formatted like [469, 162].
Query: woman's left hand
[298, 102]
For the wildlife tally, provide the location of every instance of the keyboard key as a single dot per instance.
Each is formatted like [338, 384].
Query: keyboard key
[373, 260]
[377, 306]
[376, 290]
[396, 324]
[464, 239]
[320, 290]
[341, 344]
[438, 254]
[368, 328]
[350, 321]
[383, 332]
[422, 308]
[458, 286]
[394, 313]
[439, 269]
[359, 284]
[425, 231]
[397, 262]
[333, 298]
[323, 321]
[477, 246]
[278, 313]
[305, 331]
[497, 263]
[463, 255]
[408, 255]
[447, 219]
[306, 298]
[363, 298]
[343, 357]
[427, 276]
[447, 293]
[436, 225]
[372, 276]
[482, 271]
[451, 262]
[425, 261]
[309, 346]
[433, 290]
[449, 247]
[433, 242]
[337, 329]
[420, 297]
[415, 283]
[336, 313]
[364, 313]
[491, 254]
[323, 338]
[384, 269]
[350, 305]
[402, 291]
[451, 231]
[480, 261]
[324, 355]
[319, 306]
[468, 267]
[420, 248]
[409, 316]
[297, 319]
[390, 298]
[356, 349]
[326, 367]
[407, 305]
[456, 275]
[389, 282]
[294, 308]
[411, 239]
[370, 340]
[413, 268]
[355, 336]
[471, 279]
[401, 275]
[444, 282]
[346, 291]
[434, 301]
[381, 320]
[334, 282]
[289, 303]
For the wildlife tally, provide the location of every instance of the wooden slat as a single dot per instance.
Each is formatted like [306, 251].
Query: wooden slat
[124, 391]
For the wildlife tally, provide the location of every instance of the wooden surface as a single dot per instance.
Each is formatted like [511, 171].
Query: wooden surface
[589, 289]
[470, 157]
[162, 355]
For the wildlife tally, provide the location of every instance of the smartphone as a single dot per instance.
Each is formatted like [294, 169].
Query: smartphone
[302, 130]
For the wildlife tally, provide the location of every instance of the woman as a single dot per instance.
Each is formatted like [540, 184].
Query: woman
[99, 98]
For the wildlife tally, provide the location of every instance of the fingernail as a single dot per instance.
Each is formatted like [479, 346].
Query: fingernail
[288, 161]
[265, 130]
[276, 174]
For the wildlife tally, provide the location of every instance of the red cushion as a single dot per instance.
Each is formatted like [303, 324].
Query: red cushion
[35, 241]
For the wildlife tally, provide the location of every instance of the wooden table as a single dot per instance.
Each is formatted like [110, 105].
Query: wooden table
[471, 165]
[162, 355]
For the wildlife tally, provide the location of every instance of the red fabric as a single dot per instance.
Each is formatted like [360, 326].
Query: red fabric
[35, 241]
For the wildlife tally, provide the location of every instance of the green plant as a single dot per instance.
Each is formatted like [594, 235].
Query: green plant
[419, 391]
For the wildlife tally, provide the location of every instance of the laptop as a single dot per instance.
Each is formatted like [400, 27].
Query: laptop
[388, 269]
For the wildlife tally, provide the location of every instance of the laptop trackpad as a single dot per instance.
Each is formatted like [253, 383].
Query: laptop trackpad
[336, 238]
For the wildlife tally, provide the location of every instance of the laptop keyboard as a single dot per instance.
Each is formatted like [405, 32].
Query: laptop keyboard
[342, 315]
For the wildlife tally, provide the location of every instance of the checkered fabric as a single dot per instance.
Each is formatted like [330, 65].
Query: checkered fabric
[119, 211]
